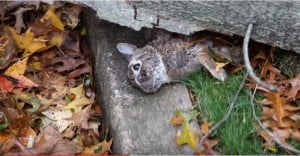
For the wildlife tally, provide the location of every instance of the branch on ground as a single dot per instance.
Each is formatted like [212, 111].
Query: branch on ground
[248, 65]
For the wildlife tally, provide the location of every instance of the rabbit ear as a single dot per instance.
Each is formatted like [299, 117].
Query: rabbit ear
[126, 48]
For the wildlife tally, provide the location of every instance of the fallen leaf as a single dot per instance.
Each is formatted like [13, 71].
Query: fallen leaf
[187, 136]
[30, 99]
[17, 69]
[60, 118]
[205, 126]
[47, 140]
[81, 118]
[99, 148]
[292, 93]
[7, 83]
[208, 144]
[55, 21]
[66, 147]
[220, 65]
[177, 120]
[28, 42]
[56, 39]
[278, 108]
[80, 100]
[7, 47]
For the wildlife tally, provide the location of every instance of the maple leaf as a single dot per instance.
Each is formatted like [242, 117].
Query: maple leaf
[80, 99]
[16, 71]
[55, 21]
[28, 42]
[187, 136]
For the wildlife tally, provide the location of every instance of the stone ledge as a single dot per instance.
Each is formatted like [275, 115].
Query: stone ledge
[139, 122]
[276, 23]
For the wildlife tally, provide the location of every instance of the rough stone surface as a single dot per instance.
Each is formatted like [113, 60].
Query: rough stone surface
[277, 23]
[139, 122]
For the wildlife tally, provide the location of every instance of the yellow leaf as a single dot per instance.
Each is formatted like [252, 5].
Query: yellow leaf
[220, 65]
[55, 21]
[27, 41]
[36, 65]
[17, 69]
[187, 136]
[80, 99]
[56, 39]
[272, 148]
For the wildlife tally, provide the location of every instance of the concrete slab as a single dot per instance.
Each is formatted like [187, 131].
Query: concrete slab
[276, 23]
[139, 122]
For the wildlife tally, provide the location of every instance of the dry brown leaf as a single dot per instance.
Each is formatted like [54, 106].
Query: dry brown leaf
[177, 120]
[295, 83]
[81, 118]
[205, 126]
[47, 140]
[208, 144]
[66, 147]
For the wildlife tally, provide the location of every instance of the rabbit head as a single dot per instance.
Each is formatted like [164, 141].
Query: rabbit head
[146, 69]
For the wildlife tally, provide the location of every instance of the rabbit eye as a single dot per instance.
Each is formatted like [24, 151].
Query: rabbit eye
[136, 67]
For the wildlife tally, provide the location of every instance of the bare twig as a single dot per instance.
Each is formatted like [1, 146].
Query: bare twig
[247, 62]
[264, 128]
[226, 116]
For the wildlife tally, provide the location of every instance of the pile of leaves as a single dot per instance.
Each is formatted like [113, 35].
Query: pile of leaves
[280, 111]
[47, 99]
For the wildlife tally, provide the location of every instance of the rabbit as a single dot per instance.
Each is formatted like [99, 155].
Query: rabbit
[167, 59]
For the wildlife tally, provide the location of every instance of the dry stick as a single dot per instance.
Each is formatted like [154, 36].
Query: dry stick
[248, 65]
[264, 128]
[226, 116]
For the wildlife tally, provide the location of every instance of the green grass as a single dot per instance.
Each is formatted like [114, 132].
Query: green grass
[237, 135]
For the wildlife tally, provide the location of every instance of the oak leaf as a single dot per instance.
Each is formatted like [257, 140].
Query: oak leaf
[100, 148]
[59, 118]
[81, 118]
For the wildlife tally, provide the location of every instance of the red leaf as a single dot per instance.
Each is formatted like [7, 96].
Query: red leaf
[7, 83]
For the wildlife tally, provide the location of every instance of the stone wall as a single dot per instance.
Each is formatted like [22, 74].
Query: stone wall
[276, 23]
